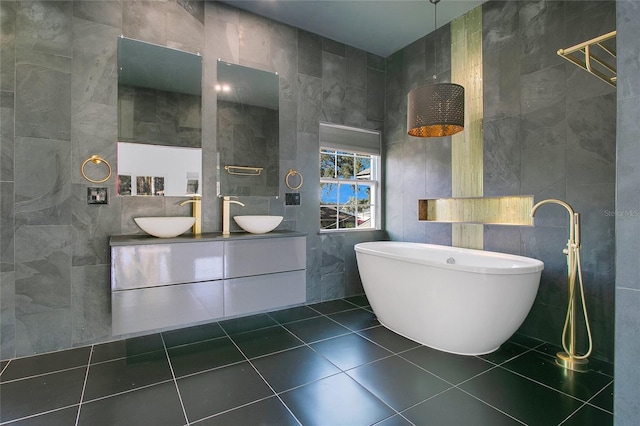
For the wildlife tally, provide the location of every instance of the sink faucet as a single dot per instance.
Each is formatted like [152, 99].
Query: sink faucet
[196, 211]
[226, 216]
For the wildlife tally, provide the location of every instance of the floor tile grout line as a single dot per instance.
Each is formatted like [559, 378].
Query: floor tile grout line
[263, 378]
[84, 386]
[5, 367]
[308, 345]
[572, 414]
[162, 382]
[120, 358]
[41, 374]
[490, 405]
[343, 371]
[175, 381]
[247, 404]
[543, 384]
[598, 393]
[31, 416]
[442, 378]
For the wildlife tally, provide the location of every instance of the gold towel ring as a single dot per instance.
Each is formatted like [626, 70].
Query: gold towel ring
[290, 174]
[95, 159]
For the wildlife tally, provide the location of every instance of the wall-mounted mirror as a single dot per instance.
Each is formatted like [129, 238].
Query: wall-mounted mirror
[159, 120]
[248, 132]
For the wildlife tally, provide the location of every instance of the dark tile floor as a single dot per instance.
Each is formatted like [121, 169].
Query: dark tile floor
[325, 364]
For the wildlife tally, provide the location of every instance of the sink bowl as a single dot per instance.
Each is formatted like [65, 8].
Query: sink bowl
[165, 226]
[258, 224]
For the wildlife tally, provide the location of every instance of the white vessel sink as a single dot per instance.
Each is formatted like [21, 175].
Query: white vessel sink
[258, 224]
[165, 226]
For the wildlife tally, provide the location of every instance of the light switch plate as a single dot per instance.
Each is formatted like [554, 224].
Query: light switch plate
[97, 195]
[292, 199]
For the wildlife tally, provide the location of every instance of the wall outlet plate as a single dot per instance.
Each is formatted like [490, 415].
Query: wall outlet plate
[97, 195]
[292, 199]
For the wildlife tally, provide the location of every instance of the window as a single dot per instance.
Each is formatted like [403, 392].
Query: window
[349, 179]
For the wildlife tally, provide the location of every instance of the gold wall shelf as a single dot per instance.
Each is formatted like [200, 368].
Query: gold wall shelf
[511, 210]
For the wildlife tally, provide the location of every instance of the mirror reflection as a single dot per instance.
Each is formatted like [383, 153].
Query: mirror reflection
[248, 130]
[159, 120]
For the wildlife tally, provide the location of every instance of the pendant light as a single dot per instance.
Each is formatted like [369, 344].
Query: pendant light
[436, 109]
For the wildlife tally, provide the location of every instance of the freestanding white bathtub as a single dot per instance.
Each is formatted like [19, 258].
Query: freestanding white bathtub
[452, 299]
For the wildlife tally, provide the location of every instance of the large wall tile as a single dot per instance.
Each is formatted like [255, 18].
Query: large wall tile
[93, 225]
[7, 315]
[43, 99]
[91, 301]
[44, 27]
[7, 226]
[43, 268]
[106, 12]
[501, 90]
[591, 140]
[502, 157]
[542, 31]
[7, 45]
[333, 81]
[627, 346]
[627, 303]
[356, 63]
[43, 182]
[543, 169]
[255, 43]
[375, 95]
[309, 54]
[6, 137]
[309, 103]
[500, 27]
[284, 58]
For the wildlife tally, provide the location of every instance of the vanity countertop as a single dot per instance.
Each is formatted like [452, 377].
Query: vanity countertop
[140, 239]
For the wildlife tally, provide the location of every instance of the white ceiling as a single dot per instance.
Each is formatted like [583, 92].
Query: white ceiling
[381, 27]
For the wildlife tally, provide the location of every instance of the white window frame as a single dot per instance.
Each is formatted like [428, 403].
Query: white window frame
[374, 182]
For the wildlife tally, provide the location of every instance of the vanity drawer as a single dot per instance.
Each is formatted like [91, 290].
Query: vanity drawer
[151, 265]
[264, 292]
[168, 306]
[264, 256]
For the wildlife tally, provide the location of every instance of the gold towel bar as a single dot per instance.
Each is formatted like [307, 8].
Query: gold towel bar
[584, 57]
[243, 171]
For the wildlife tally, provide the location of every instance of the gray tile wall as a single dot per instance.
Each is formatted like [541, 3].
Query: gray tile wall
[59, 80]
[549, 130]
[627, 324]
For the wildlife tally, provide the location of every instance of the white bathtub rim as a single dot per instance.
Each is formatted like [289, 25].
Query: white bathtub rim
[529, 264]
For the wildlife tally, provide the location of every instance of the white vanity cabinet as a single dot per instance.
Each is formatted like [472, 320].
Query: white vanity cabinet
[264, 274]
[162, 283]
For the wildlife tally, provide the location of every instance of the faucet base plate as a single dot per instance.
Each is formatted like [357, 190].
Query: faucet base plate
[570, 363]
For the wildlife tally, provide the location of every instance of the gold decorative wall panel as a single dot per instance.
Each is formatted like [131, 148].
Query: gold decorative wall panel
[466, 146]
[512, 210]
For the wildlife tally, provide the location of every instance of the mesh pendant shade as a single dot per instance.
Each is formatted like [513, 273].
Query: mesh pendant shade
[435, 110]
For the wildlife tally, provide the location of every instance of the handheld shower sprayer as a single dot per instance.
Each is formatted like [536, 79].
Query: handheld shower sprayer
[569, 358]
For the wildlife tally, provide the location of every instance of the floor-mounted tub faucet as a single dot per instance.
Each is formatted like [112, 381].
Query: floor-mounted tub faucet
[196, 211]
[226, 212]
[569, 358]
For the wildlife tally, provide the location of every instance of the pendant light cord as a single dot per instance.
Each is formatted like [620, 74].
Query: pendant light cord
[435, 38]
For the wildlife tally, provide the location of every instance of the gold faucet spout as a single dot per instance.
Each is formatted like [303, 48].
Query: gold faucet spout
[196, 211]
[226, 213]
[572, 216]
